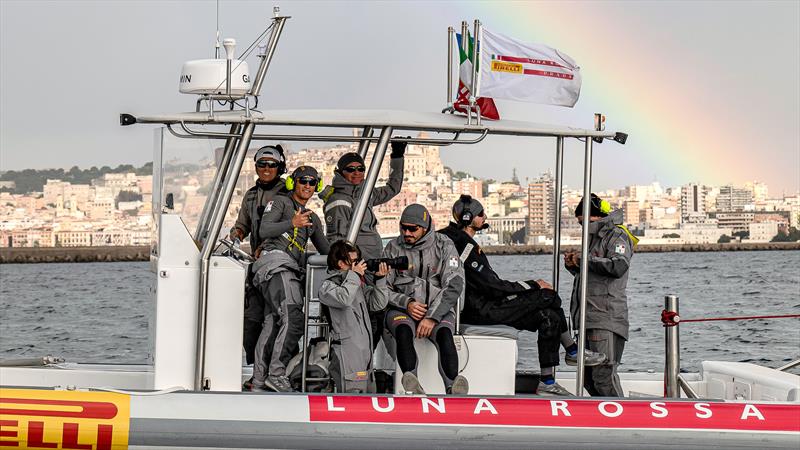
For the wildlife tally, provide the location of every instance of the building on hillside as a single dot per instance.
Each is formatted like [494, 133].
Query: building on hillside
[732, 199]
[541, 208]
[693, 203]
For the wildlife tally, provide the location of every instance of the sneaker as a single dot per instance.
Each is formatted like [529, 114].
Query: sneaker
[278, 383]
[460, 386]
[411, 384]
[590, 358]
[551, 389]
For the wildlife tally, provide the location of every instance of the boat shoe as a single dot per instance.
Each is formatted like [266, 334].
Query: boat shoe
[279, 383]
[590, 358]
[411, 384]
[460, 386]
[554, 389]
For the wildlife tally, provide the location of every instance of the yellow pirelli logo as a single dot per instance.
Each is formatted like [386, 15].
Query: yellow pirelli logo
[508, 67]
[64, 419]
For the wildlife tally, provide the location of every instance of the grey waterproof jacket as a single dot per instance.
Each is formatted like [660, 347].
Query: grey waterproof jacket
[435, 276]
[253, 204]
[277, 232]
[340, 201]
[349, 301]
[610, 253]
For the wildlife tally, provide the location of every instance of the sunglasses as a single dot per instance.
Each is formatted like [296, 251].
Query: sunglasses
[351, 169]
[271, 164]
[411, 228]
[309, 181]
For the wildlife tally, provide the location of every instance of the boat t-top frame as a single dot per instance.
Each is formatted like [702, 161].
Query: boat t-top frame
[378, 127]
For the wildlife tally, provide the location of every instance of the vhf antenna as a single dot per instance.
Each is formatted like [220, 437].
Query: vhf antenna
[216, 43]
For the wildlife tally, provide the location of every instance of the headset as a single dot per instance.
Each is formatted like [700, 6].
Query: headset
[281, 161]
[466, 215]
[290, 183]
[596, 202]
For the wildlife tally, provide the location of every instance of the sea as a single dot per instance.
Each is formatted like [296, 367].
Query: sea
[98, 312]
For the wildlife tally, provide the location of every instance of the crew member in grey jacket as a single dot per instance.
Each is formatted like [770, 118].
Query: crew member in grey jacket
[286, 228]
[340, 199]
[423, 298]
[610, 252]
[270, 163]
[349, 297]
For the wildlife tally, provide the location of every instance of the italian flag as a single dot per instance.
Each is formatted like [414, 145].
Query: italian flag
[488, 108]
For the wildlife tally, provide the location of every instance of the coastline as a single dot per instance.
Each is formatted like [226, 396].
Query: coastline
[25, 255]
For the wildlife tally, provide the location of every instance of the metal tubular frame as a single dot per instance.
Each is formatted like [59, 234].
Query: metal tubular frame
[369, 184]
[216, 220]
[557, 218]
[792, 364]
[450, 35]
[191, 134]
[363, 146]
[202, 226]
[587, 190]
[672, 362]
[306, 317]
[473, 97]
[278, 22]
[465, 49]
[691, 393]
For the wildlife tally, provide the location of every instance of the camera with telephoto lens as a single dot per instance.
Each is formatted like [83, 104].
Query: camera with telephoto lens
[399, 263]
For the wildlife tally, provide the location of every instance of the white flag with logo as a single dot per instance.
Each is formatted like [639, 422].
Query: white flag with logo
[527, 72]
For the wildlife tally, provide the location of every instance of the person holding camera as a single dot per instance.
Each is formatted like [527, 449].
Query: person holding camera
[530, 305]
[340, 199]
[610, 252]
[286, 227]
[350, 297]
[270, 163]
[423, 298]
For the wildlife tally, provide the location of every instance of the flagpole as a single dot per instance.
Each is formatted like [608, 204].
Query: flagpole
[478, 40]
[465, 49]
[472, 93]
[450, 36]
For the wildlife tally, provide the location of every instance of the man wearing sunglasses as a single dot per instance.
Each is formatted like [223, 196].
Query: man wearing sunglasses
[286, 228]
[423, 298]
[270, 163]
[340, 199]
[525, 305]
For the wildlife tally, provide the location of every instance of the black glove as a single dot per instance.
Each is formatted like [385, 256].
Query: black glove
[399, 148]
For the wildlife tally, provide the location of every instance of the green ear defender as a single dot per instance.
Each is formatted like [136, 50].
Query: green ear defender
[289, 183]
[605, 207]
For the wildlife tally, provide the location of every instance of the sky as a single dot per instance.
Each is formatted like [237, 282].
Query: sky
[708, 92]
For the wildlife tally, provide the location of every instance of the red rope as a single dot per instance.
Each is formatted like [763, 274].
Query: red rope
[711, 319]
[671, 318]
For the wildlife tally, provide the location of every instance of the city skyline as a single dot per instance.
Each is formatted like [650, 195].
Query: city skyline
[696, 109]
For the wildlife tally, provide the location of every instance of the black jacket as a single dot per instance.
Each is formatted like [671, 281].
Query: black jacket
[483, 284]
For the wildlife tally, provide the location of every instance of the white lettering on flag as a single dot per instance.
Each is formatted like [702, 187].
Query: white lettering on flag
[527, 72]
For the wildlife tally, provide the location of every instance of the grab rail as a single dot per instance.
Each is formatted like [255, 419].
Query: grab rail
[192, 134]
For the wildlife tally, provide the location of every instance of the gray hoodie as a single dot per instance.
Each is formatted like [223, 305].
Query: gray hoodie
[435, 276]
[340, 200]
[610, 253]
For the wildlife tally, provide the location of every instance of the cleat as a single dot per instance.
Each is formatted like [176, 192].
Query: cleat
[411, 384]
[460, 386]
[590, 358]
[554, 389]
[278, 383]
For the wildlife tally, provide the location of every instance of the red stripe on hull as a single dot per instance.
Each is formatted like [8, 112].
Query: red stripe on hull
[626, 414]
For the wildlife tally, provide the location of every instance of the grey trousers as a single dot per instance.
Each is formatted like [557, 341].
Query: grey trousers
[284, 292]
[602, 380]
